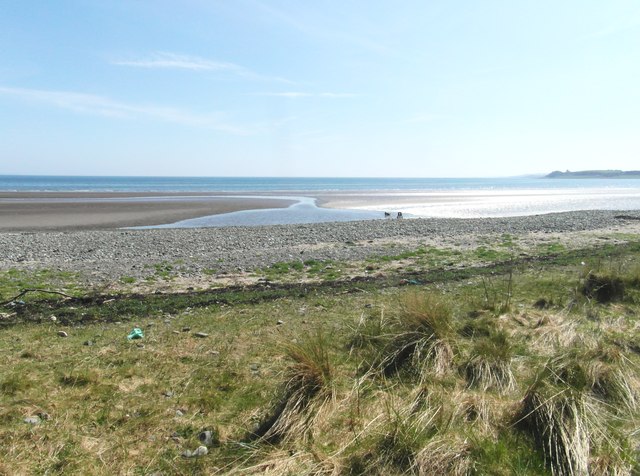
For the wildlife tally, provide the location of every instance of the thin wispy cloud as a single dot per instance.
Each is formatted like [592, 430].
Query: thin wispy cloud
[311, 29]
[166, 60]
[298, 95]
[174, 61]
[91, 104]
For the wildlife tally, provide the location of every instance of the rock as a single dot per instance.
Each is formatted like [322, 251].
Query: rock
[62, 334]
[279, 323]
[179, 413]
[199, 451]
[32, 420]
[88, 342]
[53, 319]
[168, 394]
[209, 438]
[202, 335]
[44, 416]
[186, 329]
[176, 332]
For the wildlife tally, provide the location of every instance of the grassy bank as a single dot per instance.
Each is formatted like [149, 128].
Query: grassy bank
[496, 363]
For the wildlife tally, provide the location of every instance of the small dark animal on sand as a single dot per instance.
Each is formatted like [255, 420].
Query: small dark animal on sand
[399, 215]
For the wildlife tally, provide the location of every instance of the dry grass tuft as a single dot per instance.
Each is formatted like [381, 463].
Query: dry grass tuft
[489, 366]
[562, 409]
[613, 377]
[555, 418]
[444, 456]
[290, 462]
[560, 332]
[609, 466]
[307, 387]
[423, 337]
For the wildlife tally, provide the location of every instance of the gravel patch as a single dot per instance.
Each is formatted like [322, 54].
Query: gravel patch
[110, 254]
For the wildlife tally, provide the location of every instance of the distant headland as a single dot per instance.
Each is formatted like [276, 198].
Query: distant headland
[629, 174]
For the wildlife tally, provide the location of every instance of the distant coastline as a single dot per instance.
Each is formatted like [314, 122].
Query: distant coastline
[594, 174]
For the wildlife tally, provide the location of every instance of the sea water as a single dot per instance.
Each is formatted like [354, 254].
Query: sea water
[429, 197]
[25, 183]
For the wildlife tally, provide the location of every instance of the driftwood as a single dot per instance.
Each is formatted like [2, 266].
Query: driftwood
[26, 291]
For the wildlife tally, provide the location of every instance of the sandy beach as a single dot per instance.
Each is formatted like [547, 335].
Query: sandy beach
[65, 211]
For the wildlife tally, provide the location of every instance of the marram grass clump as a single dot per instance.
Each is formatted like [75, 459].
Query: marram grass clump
[569, 418]
[307, 386]
[422, 337]
[556, 419]
[489, 364]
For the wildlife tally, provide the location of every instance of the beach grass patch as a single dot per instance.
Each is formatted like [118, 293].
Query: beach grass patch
[115, 406]
[127, 280]
[14, 281]
[422, 337]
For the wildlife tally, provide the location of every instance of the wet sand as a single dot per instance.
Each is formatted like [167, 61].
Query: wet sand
[484, 203]
[66, 211]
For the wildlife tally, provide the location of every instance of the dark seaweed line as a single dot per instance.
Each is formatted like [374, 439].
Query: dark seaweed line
[118, 307]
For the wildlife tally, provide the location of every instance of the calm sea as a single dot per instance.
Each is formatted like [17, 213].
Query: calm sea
[427, 197]
[274, 184]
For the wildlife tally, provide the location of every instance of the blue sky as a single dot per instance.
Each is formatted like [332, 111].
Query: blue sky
[324, 88]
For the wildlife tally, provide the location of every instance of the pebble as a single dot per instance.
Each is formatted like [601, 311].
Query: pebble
[199, 451]
[186, 329]
[255, 247]
[32, 420]
[201, 334]
[279, 323]
[62, 334]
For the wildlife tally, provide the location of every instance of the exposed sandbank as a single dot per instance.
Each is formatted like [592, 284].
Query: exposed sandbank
[64, 211]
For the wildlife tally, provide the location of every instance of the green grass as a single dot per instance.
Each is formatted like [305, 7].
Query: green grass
[475, 386]
[13, 281]
[127, 280]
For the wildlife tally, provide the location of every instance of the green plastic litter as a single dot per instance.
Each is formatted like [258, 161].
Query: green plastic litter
[136, 333]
